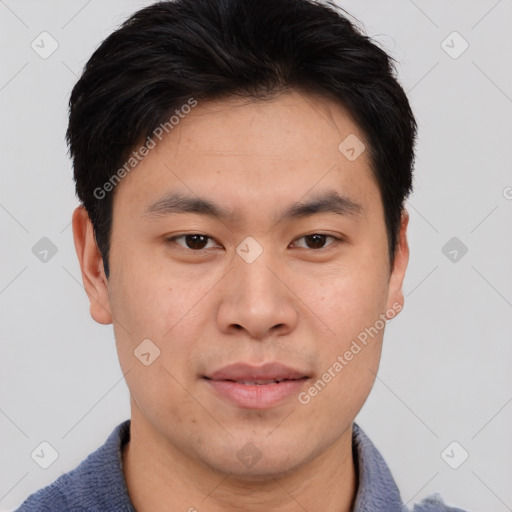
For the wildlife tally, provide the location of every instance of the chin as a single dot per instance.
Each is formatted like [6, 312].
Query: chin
[262, 474]
[263, 469]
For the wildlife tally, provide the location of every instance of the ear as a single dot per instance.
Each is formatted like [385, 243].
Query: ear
[91, 265]
[395, 300]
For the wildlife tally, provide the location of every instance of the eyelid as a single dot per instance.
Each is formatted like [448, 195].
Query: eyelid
[174, 237]
[336, 239]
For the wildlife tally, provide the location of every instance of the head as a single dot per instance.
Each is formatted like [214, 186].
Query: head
[242, 168]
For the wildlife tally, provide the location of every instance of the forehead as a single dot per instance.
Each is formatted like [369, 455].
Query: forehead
[289, 123]
[254, 152]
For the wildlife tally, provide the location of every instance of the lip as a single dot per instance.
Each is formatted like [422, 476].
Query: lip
[269, 371]
[228, 382]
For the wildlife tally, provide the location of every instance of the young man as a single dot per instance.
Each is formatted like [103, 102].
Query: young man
[242, 167]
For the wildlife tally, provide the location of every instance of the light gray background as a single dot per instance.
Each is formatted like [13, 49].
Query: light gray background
[445, 374]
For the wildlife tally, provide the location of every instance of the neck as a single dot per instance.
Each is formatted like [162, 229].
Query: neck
[159, 475]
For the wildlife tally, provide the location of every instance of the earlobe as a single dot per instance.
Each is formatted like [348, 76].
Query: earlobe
[395, 292]
[91, 265]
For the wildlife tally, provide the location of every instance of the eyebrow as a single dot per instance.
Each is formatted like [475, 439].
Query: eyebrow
[177, 203]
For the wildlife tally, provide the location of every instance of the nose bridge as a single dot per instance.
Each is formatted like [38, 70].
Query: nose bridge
[258, 285]
[255, 298]
[258, 280]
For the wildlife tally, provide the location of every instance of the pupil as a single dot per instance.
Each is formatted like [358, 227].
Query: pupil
[196, 241]
[317, 241]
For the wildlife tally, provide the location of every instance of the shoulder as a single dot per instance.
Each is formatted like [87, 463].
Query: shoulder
[49, 499]
[96, 484]
[377, 489]
[434, 503]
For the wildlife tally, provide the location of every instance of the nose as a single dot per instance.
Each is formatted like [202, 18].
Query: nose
[257, 299]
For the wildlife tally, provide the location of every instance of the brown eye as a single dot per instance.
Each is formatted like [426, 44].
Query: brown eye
[316, 241]
[195, 242]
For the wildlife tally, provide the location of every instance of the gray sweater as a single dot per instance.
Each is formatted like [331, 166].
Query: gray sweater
[98, 485]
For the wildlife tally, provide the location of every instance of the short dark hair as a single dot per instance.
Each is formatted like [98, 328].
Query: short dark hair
[172, 51]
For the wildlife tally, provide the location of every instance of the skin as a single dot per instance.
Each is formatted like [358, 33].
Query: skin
[207, 308]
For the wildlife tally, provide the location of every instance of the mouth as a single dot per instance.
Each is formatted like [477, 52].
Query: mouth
[250, 387]
[258, 382]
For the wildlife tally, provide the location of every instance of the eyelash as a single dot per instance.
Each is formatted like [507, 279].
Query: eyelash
[334, 238]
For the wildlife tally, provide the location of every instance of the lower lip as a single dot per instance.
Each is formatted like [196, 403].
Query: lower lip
[256, 396]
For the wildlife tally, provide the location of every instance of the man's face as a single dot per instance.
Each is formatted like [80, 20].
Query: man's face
[262, 284]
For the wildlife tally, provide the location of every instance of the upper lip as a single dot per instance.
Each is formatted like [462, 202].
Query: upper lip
[269, 371]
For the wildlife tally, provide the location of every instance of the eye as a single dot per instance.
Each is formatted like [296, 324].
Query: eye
[316, 241]
[194, 241]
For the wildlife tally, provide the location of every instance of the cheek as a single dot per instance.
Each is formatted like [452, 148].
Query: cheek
[147, 305]
[154, 353]
[349, 304]
[150, 300]
[346, 300]
[160, 396]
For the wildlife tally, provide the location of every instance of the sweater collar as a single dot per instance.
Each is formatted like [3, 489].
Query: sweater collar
[377, 489]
